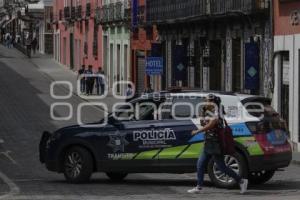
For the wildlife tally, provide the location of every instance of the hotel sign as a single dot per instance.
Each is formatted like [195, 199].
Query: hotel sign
[295, 18]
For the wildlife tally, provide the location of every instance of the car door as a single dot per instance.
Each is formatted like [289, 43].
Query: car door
[135, 143]
[182, 153]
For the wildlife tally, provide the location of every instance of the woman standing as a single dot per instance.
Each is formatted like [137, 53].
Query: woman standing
[212, 149]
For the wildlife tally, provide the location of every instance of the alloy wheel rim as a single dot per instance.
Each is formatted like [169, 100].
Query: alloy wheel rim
[73, 165]
[230, 162]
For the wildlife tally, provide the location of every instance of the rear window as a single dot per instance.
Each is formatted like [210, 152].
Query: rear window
[262, 107]
[259, 106]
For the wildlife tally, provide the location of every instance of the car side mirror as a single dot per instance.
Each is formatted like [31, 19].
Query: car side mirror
[116, 123]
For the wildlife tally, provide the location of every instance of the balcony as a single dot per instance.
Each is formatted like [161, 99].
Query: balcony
[170, 11]
[78, 12]
[73, 13]
[67, 14]
[105, 15]
[119, 14]
[111, 12]
[141, 16]
[98, 15]
[88, 10]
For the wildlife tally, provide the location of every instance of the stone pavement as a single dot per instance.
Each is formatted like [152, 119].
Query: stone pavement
[58, 72]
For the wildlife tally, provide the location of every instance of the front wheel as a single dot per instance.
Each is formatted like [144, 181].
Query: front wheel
[116, 176]
[260, 177]
[77, 165]
[236, 162]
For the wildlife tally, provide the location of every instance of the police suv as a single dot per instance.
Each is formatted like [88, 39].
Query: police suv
[152, 134]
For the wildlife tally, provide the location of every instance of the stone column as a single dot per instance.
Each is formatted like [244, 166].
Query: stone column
[191, 64]
[228, 64]
[267, 53]
[277, 83]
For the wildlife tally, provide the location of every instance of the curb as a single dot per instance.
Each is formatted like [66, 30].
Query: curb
[296, 162]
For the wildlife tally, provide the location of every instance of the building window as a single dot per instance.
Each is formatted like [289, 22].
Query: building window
[149, 33]
[126, 62]
[135, 34]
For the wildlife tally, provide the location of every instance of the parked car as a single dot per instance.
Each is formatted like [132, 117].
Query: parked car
[156, 141]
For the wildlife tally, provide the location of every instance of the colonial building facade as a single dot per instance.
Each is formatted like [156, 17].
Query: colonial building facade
[115, 21]
[45, 33]
[143, 38]
[77, 37]
[287, 64]
[214, 44]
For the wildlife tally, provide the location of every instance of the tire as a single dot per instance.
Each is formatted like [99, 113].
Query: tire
[237, 163]
[261, 177]
[77, 165]
[116, 176]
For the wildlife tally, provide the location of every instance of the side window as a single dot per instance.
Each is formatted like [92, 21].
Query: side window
[146, 111]
[141, 110]
[186, 107]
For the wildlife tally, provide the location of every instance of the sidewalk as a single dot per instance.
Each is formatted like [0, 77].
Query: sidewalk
[58, 72]
[296, 158]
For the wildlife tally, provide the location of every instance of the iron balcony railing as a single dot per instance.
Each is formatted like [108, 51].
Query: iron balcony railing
[73, 13]
[79, 12]
[170, 10]
[88, 10]
[67, 13]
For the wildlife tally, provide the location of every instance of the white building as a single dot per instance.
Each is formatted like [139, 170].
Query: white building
[116, 40]
[44, 27]
[287, 65]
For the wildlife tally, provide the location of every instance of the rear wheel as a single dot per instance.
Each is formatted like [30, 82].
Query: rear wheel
[77, 165]
[260, 177]
[236, 162]
[116, 176]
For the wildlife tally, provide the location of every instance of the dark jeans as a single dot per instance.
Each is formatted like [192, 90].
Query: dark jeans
[100, 89]
[219, 159]
[82, 86]
[90, 87]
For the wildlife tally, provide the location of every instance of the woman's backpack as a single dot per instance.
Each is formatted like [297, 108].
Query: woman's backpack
[226, 139]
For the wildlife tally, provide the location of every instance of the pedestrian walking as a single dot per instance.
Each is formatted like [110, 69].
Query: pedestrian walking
[90, 80]
[81, 73]
[100, 82]
[34, 43]
[28, 46]
[213, 120]
[129, 91]
[7, 40]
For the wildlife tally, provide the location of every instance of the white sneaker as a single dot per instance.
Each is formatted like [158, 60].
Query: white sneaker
[244, 186]
[195, 190]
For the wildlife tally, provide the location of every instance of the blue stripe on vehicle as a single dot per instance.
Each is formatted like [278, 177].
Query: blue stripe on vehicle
[240, 130]
[197, 138]
[237, 130]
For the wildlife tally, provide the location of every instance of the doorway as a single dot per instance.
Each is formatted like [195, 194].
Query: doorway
[215, 77]
[111, 65]
[71, 51]
[285, 88]
[140, 60]
[236, 65]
